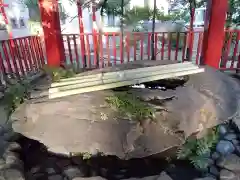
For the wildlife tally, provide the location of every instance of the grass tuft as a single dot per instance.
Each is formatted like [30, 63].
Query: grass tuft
[131, 106]
[58, 73]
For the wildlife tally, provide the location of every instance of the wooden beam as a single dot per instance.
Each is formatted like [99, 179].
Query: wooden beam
[122, 83]
[116, 74]
[116, 78]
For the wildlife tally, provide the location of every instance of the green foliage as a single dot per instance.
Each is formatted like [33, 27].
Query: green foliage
[58, 73]
[130, 106]
[15, 95]
[197, 150]
[84, 155]
[113, 7]
[137, 14]
[34, 11]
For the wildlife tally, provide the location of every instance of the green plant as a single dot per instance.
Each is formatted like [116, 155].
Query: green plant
[198, 150]
[15, 95]
[131, 106]
[58, 73]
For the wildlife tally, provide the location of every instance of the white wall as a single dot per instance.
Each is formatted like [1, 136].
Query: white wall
[17, 10]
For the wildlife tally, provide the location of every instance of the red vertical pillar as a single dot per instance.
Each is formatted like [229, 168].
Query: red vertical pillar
[81, 30]
[52, 32]
[214, 32]
[95, 39]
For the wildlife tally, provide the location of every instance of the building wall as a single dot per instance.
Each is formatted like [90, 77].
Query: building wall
[18, 17]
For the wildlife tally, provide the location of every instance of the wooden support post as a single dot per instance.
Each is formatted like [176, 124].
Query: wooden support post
[81, 30]
[95, 38]
[52, 32]
[214, 32]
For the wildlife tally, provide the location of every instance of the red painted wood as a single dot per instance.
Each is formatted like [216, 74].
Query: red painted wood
[76, 50]
[238, 63]
[11, 51]
[18, 57]
[134, 46]
[35, 48]
[9, 66]
[149, 46]
[81, 29]
[24, 55]
[101, 64]
[235, 49]
[2, 68]
[177, 44]
[95, 47]
[30, 59]
[121, 48]
[52, 32]
[184, 46]
[108, 49]
[169, 45]
[227, 50]
[141, 46]
[88, 51]
[127, 46]
[69, 49]
[214, 32]
[39, 51]
[163, 43]
[156, 45]
[200, 36]
[115, 49]
[32, 53]
[39, 44]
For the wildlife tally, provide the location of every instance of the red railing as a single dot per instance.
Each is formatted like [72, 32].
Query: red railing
[113, 48]
[20, 56]
[230, 59]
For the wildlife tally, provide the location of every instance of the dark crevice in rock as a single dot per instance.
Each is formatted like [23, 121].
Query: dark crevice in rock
[163, 84]
[37, 160]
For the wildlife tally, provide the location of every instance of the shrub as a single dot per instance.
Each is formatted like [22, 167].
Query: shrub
[198, 150]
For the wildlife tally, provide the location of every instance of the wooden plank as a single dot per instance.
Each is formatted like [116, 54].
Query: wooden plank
[107, 75]
[119, 70]
[123, 83]
[124, 77]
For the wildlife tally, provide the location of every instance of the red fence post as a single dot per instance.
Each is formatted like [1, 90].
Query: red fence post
[214, 32]
[52, 32]
[82, 40]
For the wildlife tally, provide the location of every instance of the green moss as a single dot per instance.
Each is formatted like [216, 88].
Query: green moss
[198, 150]
[130, 106]
[58, 73]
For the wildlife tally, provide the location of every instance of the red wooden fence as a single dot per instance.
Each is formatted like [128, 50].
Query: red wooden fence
[20, 57]
[113, 48]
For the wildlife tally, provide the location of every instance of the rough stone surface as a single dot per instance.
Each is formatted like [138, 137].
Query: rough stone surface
[230, 162]
[215, 155]
[90, 178]
[162, 176]
[13, 174]
[213, 170]
[205, 178]
[230, 137]
[228, 175]
[72, 172]
[55, 177]
[223, 129]
[225, 147]
[207, 99]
